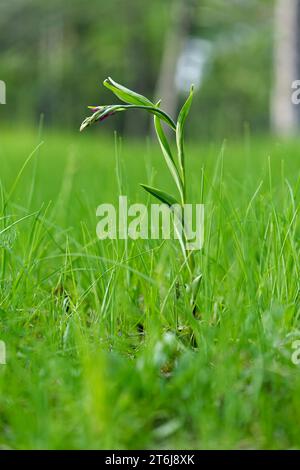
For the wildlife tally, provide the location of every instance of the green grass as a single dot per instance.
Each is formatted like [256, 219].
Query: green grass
[101, 351]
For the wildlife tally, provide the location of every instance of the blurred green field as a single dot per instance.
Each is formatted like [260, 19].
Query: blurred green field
[100, 351]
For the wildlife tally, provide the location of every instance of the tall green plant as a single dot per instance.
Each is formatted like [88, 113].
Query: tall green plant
[176, 168]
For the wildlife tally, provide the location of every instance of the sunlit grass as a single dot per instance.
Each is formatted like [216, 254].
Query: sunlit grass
[101, 353]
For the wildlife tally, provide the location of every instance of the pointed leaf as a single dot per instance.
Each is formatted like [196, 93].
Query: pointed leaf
[180, 129]
[160, 195]
[174, 206]
[168, 155]
[125, 94]
[195, 285]
[193, 288]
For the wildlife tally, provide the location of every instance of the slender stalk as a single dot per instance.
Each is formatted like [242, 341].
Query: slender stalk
[135, 101]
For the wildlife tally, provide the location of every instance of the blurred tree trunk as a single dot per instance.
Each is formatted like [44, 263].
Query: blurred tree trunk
[51, 61]
[137, 47]
[284, 114]
[181, 24]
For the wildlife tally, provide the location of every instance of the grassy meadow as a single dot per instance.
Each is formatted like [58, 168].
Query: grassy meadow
[102, 351]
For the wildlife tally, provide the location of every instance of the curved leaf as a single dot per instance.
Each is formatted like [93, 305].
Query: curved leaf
[160, 195]
[125, 94]
[174, 206]
[168, 155]
[180, 130]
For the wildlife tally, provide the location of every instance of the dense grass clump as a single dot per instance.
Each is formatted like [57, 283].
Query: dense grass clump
[101, 350]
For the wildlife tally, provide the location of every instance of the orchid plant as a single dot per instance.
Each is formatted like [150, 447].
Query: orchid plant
[135, 101]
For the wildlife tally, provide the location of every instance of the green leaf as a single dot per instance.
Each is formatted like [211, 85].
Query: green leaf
[125, 94]
[180, 130]
[195, 285]
[193, 289]
[168, 155]
[174, 205]
[160, 195]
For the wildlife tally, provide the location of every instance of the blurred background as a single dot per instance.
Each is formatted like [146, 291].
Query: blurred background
[242, 56]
